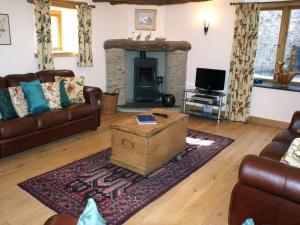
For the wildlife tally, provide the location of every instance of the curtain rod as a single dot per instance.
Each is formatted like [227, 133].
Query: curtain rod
[241, 3]
[68, 4]
[267, 3]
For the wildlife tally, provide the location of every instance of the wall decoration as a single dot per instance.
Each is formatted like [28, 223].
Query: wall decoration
[145, 19]
[4, 30]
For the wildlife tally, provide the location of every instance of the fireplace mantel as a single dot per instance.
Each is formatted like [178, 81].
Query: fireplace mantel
[120, 55]
[148, 46]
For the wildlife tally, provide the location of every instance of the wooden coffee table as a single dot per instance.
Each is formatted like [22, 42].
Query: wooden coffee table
[143, 148]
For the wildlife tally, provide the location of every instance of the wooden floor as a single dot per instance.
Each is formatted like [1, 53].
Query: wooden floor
[201, 199]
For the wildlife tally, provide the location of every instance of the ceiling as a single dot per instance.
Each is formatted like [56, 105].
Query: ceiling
[149, 2]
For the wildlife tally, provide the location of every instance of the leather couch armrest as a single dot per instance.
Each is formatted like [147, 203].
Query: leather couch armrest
[295, 122]
[92, 94]
[271, 176]
[60, 219]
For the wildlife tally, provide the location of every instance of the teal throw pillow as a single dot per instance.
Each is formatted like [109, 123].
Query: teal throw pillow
[35, 97]
[64, 99]
[7, 110]
[248, 222]
[90, 215]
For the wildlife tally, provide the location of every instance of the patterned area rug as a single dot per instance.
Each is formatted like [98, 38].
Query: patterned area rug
[119, 193]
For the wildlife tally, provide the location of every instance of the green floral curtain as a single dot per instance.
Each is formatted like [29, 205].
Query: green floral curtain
[43, 34]
[242, 62]
[85, 55]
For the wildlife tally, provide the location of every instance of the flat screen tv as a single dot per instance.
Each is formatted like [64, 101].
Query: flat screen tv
[210, 79]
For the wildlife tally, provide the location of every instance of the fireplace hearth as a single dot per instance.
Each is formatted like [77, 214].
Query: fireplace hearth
[140, 78]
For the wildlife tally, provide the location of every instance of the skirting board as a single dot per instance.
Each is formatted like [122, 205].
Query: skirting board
[253, 119]
[268, 122]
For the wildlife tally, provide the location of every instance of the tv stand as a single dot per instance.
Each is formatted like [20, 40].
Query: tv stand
[200, 98]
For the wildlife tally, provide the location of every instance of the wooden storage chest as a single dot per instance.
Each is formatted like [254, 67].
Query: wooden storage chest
[144, 148]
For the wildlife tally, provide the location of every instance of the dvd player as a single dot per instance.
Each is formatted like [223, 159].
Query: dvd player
[204, 98]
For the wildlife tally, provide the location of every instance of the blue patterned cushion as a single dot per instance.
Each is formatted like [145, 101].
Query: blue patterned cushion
[248, 222]
[90, 215]
[35, 97]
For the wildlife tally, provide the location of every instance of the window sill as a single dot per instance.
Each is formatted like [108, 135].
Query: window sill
[61, 54]
[273, 85]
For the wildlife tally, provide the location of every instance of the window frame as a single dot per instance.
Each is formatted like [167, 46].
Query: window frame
[57, 14]
[286, 9]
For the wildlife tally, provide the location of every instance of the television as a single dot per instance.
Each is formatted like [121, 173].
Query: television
[210, 79]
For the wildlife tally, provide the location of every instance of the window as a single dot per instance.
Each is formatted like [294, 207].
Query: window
[279, 31]
[56, 30]
[64, 31]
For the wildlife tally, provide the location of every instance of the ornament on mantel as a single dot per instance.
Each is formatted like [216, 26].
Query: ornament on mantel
[147, 38]
[139, 36]
[132, 35]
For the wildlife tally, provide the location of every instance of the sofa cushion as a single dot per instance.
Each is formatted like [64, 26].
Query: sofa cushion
[78, 111]
[91, 215]
[286, 136]
[64, 99]
[52, 94]
[35, 97]
[275, 150]
[3, 84]
[18, 100]
[14, 80]
[292, 156]
[16, 127]
[7, 110]
[74, 88]
[49, 75]
[51, 119]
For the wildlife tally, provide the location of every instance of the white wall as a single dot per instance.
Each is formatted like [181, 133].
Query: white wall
[274, 104]
[160, 26]
[185, 22]
[175, 22]
[108, 22]
[18, 57]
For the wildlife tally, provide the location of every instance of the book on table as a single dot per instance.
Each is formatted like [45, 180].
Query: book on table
[145, 120]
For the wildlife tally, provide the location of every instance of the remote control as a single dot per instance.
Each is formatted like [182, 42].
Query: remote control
[161, 114]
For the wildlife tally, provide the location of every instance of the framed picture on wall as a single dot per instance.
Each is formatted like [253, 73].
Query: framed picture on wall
[145, 19]
[4, 30]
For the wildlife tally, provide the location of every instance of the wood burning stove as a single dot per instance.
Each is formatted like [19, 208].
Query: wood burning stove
[145, 79]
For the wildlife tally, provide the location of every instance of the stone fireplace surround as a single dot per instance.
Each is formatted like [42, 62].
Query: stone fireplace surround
[176, 54]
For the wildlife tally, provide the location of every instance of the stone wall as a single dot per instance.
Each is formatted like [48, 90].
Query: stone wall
[175, 78]
[116, 72]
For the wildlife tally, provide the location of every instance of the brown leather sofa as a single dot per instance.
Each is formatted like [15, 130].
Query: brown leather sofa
[61, 219]
[268, 191]
[19, 134]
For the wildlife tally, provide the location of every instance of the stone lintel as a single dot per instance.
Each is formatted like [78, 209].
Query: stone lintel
[147, 46]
